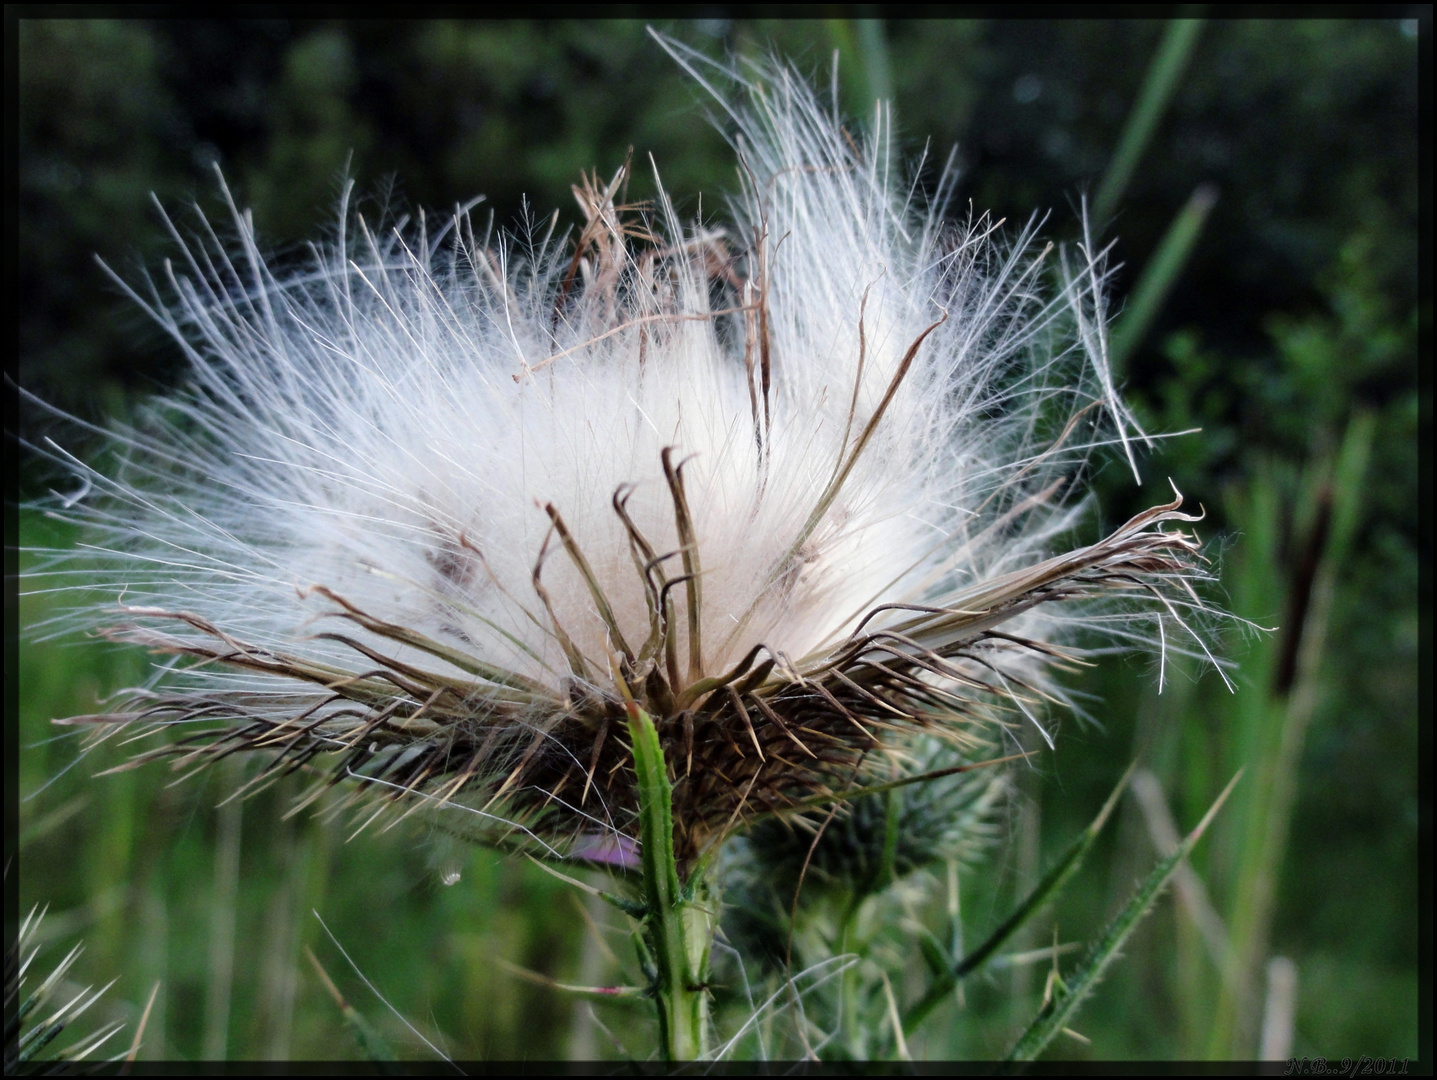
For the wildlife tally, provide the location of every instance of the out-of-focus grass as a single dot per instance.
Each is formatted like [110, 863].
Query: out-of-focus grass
[130, 863]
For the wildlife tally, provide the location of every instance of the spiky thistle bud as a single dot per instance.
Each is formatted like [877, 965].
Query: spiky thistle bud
[434, 509]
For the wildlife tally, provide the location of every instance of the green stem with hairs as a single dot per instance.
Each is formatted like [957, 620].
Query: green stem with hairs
[680, 918]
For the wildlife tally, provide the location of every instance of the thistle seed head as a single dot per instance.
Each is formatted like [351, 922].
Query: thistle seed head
[438, 505]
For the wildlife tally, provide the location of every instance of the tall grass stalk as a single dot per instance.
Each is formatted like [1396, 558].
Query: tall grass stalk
[1159, 274]
[222, 926]
[1162, 79]
[863, 60]
[1333, 493]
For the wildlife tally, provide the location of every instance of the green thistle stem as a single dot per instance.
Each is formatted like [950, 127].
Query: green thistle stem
[680, 919]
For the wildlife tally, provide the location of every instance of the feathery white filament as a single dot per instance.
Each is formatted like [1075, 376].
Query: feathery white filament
[878, 417]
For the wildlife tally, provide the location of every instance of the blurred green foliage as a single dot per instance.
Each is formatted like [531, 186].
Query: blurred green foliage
[1297, 310]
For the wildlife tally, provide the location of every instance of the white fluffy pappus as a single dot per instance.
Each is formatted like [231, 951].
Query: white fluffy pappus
[435, 508]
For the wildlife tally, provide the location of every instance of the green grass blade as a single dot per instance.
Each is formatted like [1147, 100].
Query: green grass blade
[873, 56]
[1063, 1005]
[1168, 65]
[862, 64]
[1159, 275]
[1339, 494]
[1347, 483]
[1046, 889]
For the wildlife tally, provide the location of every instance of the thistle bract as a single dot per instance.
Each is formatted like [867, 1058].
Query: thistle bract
[438, 504]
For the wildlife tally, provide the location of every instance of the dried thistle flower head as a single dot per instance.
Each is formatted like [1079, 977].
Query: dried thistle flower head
[435, 508]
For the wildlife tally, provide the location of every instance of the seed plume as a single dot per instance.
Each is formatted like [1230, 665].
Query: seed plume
[438, 506]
